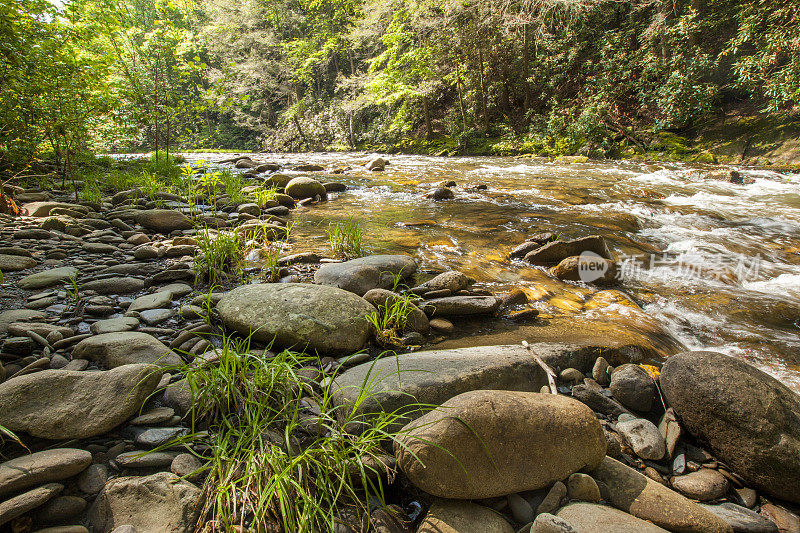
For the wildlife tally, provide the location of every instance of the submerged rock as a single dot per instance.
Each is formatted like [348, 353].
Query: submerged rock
[748, 418]
[313, 317]
[483, 443]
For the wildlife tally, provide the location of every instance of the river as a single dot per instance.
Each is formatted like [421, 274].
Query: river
[716, 264]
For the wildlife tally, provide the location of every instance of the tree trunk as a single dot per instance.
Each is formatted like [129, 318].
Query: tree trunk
[698, 6]
[461, 97]
[525, 70]
[484, 97]
[427, 112]
[350, 135]
[666, 12]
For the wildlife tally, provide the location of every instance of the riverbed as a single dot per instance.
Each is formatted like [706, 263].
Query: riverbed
[716, 264]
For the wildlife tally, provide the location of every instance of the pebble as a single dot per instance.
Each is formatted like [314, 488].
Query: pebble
[703, 485]
[144, 459]
[157, 416]
[93, 479]
[583, 487]
[521, 510]
[643, 436]
[552, 501]
[186, 464]
[60, 509]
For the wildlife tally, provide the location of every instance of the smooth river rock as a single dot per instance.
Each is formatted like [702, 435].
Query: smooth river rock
[163, 220]
[750, 420]
[460, 306]
[41, 467]
[303, 187]
[485, 443]
[630, 491]
[556, 251]
[19, 505]
[594, 518]
[66, 404]
[124, 348]
[47, 278]
[161, 503]
[365, 273]
[13, 263]
[300, 315]
[453, 516]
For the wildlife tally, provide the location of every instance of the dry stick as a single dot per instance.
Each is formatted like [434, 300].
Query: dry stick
[551, 376]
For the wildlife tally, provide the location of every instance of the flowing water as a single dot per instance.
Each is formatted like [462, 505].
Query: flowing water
[716, 264]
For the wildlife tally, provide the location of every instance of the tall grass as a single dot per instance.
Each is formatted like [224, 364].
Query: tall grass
[278, 457]
[346, 238]
[262, 196]
[391, 320]
[219, 256]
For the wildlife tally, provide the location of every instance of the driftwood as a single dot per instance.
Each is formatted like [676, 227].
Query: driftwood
[551, 375]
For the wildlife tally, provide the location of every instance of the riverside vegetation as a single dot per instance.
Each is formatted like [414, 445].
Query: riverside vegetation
[179, 355]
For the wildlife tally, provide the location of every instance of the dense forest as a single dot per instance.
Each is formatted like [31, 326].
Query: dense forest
[549, 76]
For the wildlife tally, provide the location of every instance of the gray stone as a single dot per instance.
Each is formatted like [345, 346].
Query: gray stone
[600, 372]
[594, 398]
[114, 325]
[93, 479]
[582, 487]
[741, 519]
[124, 348]
[163, 220]
[178, 395]
[748, 418]
[155, 437]
[633, 387]
[122, 285]
[14, 263]
[553, 498]
[405, 383]
[60, 509]
[157, 300]
[41, 467]
[704, 485]
[160, 503]
[452, 516]
[548, 523]
[482, 444]
[521, 510]
[151, 317]
[461, 306]
[159, 415]
[19, 505]
[593, 518]
[312, 317]
[63, 404]
[144, 459]
[630, 491]
[47, 278]
[303, 187]
[18, 315]
[186, 465]
[643, 436]
[365, 273]
[447, 281]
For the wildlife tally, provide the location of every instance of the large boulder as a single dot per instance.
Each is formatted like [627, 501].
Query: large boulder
[42, 467]
[593, 518]
[630, 491]
[410, 382]
[67, 404]
[163, 220]
[556, 251]
[303, 187]
[125, 348]
[750, 420]
[482, 444]
[452, 516]
[160, 503]
[366, 273]
[300, 315]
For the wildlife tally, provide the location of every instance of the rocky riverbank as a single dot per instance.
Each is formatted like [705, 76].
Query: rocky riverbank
[107, 323]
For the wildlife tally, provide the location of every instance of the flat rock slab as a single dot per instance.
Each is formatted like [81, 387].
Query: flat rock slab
[602, 519]
[14, 263]
[19, 505]
[161, 503]
[66, 404]
[304, 316]
[114, 325]
[433, 377]
[453, 516]
[18, 315]
[42, 209]
[742, 519]
[47, 278]
[124, 348]
[460, 306]
[42, 467]
[366, 273]
[122, 285]
[157, 300]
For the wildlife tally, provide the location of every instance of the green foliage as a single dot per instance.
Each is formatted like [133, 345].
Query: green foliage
[390, 320]
[346, 238]
[279, 460]
[219, 256]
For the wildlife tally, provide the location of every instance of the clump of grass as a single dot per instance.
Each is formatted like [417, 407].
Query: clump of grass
[218, 257]
[391, 320]
[262, 196]
[278, 457]
[346, 238]
[91, 190]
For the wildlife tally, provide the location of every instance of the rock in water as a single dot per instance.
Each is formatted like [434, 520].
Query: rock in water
[482, 444]
[630, 491]
[366, 273]
[556, 251]
[451, 516]
[125, 348]
[314, 317]
[41, 467]
[161, 503]
[163, 220]
[750, 420]
[303, 187]
[66, 404]
[601, 519]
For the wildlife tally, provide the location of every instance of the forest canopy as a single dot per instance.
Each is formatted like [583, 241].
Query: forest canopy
[563, 76]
